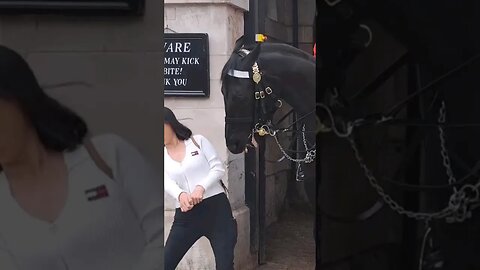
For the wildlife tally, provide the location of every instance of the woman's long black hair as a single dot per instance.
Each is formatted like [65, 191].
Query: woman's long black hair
[183, 133]
[58, 128]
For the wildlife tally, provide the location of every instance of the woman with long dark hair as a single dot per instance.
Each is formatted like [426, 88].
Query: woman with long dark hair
[193, 176]
[68, 202]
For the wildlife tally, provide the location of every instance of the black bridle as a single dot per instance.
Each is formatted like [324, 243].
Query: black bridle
[266, 102]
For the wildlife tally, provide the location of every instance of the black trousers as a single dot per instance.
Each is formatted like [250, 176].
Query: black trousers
[211, 218]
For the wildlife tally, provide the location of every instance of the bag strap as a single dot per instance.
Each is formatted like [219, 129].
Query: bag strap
[99, 161]
[195, 142]
[198, 146]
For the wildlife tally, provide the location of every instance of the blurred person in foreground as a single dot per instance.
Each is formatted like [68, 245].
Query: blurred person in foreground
[68, 202]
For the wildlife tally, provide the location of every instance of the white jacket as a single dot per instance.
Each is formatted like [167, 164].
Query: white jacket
[199, 167]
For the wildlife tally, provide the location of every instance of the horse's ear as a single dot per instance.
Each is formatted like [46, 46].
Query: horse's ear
[253, 55]
[238, 43]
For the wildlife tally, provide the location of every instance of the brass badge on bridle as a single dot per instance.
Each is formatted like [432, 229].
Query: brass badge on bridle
[257, 77]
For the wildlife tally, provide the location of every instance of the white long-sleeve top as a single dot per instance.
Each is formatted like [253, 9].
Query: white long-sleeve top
[199, 167]
[121, 231]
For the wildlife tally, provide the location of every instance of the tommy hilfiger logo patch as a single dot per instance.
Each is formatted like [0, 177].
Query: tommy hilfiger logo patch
[96, 193]
[194, 153]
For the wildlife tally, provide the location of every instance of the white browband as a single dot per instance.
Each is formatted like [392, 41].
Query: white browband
[239, 74]
[245, 51]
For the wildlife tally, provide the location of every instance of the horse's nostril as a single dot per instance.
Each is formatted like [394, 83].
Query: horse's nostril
[234, 147]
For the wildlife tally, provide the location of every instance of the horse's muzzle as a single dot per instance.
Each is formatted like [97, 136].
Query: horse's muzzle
[236, 148]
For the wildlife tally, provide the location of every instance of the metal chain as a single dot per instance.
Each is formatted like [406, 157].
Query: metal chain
[445, 212]
[460, 203]
[459, 207]
[444, 151]
[309, 155]
[467, 203]
[299, 174]
[348, 127]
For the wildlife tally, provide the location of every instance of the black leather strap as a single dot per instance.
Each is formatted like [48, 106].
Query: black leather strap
[99, 161]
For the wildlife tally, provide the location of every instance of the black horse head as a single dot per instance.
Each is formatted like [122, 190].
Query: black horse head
[287, 73]
[238, 93]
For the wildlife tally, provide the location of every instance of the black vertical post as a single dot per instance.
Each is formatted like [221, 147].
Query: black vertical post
[295, 23]
[251, 27]
[412, 177]
[261, 16]
[315, 25]
[251, 22]
[318, 174]
[262, 256]
[251, 194]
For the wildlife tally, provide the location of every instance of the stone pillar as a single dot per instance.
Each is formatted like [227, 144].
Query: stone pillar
[222, 20]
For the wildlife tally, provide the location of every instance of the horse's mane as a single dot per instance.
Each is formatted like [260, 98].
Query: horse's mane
[235, 58]
[288, 49]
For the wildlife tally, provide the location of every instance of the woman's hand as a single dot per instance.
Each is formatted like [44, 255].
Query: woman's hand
[186, 202]
[197, 195]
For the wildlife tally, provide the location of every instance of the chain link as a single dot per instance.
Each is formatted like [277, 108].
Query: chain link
[309, 154]
[395, 206]
[443, 148]
[461, 201]
[459, 205]
[269, 129]
[459, 197]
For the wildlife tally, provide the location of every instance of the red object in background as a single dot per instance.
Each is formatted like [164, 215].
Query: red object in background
[315, 50]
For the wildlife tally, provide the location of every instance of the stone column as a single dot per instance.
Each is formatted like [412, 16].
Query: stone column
[222, 20]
